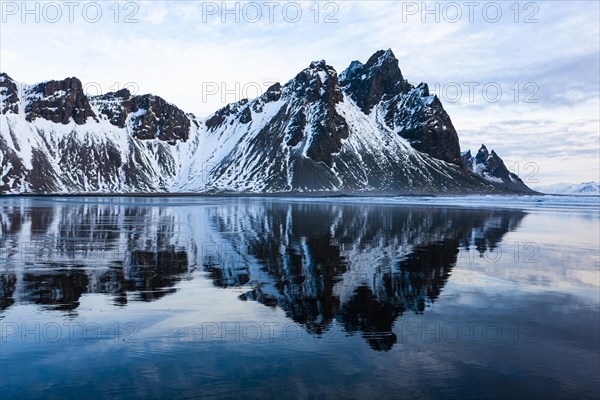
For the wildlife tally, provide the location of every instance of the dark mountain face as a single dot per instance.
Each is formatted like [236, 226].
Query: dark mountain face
[368, 130]
[323, 95]
[59, 102]
[491, 168]
[379, 79]
[292, 132]
[150, 117]
[422, 120]
[116, 106]
[9, 94]
[315, 88]
[410, 111]
[467, 158]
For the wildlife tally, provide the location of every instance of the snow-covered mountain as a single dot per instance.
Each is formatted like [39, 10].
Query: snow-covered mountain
[584, 188]
[490, 167]
[367, 130]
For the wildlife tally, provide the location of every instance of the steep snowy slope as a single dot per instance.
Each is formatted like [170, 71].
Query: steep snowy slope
[368, 131]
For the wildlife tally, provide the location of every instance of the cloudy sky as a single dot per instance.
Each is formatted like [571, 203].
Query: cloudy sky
[521, 77]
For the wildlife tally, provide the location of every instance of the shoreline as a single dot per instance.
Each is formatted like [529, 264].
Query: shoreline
[283, 194]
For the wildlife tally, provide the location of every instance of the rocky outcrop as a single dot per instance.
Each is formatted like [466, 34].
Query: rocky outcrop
[9, 95]
[421, 119]
[491, 167]
[318, 87]
[221, 115]
[58, 101]
[149, 116]
[116, 106]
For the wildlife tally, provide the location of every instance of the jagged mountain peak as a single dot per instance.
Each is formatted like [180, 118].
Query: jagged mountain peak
[52, 86]
[319, 81]
[380, 78]
[146, 116]
[317, 84]
[122, 94]
[318, 65]
[482, 153]
[4, 76]
[9, 94]
[243, 109]
[379, 86]
[350, 71]
[381, 57]
[59, 101]
[276, 87]
[485, 156]
[314, 68]
[377, 59]
[488, 165]
[232, 109]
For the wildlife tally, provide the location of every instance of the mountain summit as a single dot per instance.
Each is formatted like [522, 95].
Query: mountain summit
[490, 167]
[365, 131]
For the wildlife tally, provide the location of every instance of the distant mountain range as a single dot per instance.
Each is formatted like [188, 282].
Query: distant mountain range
[365, 131]
[585, 188]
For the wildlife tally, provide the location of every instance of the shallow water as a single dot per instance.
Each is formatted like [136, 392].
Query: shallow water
[353, 298]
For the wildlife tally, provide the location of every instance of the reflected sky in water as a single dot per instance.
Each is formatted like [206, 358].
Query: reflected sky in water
[231, 297]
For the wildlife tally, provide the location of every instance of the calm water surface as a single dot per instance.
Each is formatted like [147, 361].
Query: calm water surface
[254, 298]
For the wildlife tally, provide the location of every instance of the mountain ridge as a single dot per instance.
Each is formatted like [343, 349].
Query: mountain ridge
[366, 130]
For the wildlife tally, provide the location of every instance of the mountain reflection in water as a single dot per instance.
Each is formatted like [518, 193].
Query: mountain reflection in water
[359, 265]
